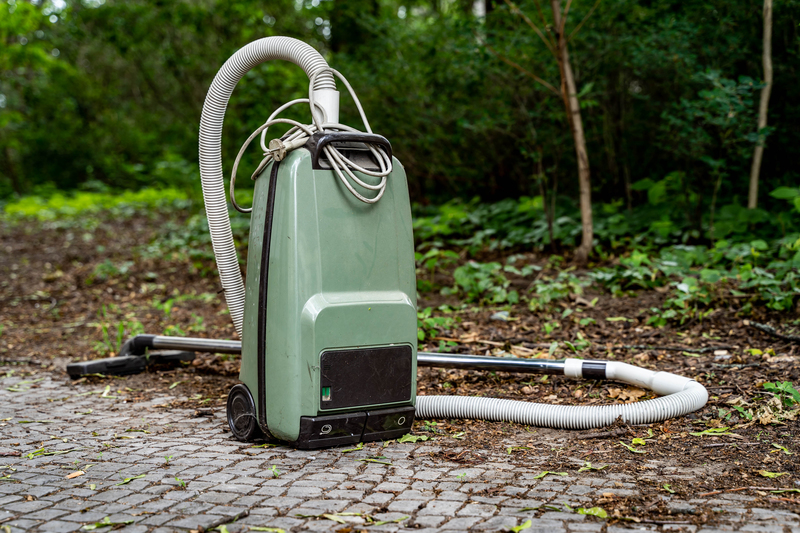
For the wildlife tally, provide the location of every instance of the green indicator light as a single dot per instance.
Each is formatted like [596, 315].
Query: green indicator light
[326, 394]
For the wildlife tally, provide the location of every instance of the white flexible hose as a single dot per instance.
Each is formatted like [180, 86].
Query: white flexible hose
[683, 396]
[211, 121]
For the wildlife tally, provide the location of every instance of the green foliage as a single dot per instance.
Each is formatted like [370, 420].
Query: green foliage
[114, 332]
[80, 204]
[106, 270]
[483, 282]
[785, 390]
[429, 263]
[547, 291]
[429, 326]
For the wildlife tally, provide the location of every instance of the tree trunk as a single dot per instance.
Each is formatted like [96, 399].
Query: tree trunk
[570, 94]
[755, 170]
[12, 173]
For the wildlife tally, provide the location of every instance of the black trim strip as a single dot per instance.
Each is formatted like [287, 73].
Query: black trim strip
[262, 299]
[593, 370]
[318, 141]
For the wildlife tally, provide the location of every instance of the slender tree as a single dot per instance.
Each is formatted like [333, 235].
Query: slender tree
[556, 42]
[573, 109]
[758, 154]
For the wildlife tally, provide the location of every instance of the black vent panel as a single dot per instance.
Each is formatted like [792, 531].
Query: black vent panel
[369, 376]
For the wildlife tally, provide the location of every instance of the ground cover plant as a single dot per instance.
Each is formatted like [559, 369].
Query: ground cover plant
[722, 312]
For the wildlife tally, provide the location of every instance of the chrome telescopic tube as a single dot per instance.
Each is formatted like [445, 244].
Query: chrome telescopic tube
[496, 364]
[137, 346]
[161, 342]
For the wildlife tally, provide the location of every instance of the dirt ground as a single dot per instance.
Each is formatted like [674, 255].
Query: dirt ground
[55, 302]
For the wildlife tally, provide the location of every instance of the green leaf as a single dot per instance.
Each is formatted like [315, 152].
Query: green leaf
[517, 448]
[222, 529]
[375, 460]
[359, 447]
[618, 319]
[334, 518]
[599, 512]
[268, 529]
[781, 448]
[785, 193]
[129, 479]
[395, 521]
[408, 437]
[639, 441]
[667, 487]
[546, 472]
[588, 466]
[631, 448]
[106, 522]
[772, 475]
[713, 432]
[525, 525]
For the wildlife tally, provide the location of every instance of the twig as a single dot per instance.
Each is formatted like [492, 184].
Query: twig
[735, 365]
[595, 452]
[517, 11]
[601, 434]
[664, 522]
[713, 492]
[589, 14]
[769, 330]
[521, 69]
[730, 444]
[677, 348]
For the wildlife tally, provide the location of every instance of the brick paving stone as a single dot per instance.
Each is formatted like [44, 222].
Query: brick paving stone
[590, 527]
[224, 478]
[27, 507]
[446, 508]
[406, 506]
[461, 523]
[478, 509]
[57, 526]
[47, 514]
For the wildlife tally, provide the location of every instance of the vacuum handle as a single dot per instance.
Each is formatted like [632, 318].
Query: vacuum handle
[318, 141]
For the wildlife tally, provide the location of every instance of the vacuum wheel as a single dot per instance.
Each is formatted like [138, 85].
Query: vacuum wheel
[241, 413]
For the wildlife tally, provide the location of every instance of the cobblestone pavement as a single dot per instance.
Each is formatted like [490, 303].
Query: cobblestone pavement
[171, 470]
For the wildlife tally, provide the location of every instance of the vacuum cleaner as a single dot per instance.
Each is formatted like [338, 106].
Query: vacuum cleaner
[328, 314]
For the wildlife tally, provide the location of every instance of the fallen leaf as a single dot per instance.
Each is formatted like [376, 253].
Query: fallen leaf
[106, 522]
[413, 438]
[631, 448]
[772, 475]
[599, 512]
[75, 474]
[713, 432]
[129, 479]
[546, 472]
[525, 525]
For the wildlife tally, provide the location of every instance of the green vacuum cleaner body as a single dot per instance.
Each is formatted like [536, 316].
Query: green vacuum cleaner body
[329, 338]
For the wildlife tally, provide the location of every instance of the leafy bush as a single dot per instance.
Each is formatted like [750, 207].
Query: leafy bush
[61, 205]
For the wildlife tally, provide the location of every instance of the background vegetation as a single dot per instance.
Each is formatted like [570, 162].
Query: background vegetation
[103, 95]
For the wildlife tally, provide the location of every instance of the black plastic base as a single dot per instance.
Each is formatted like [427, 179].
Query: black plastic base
[351, 428]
